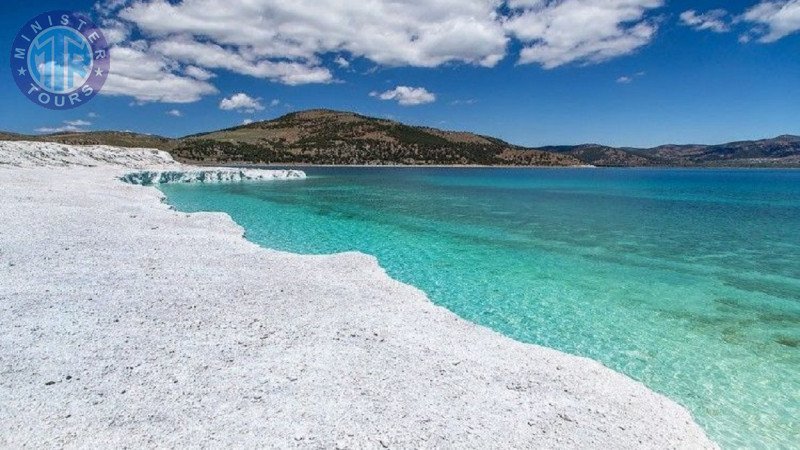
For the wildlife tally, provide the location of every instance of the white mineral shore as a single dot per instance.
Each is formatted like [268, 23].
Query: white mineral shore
[124, 323]
[155, 166]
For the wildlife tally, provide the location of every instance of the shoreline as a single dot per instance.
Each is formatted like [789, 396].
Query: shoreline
[129, 323]
[455, 166]
[409, 166]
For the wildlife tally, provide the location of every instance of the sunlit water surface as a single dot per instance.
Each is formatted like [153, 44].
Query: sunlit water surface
[688, 280]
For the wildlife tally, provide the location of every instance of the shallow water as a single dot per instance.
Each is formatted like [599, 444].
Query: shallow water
[688, 280]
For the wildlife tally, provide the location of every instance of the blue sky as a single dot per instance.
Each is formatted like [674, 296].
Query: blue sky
[533, 72]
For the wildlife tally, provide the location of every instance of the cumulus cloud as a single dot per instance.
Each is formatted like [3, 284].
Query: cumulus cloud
[68, 126]
[715, 20]
[175, 113]
[109, 6]
[145, 75]
[148, 77]
[407, 96]
[292, 42]
[341, 62]
[198, 73]
[213, 56]
[247, 121]
[241, 102]
[423, 33]
[773, 20]
[115, 31]
[558, 32]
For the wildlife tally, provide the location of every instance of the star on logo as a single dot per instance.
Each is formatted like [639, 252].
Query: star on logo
[21, 72]
[98, 72]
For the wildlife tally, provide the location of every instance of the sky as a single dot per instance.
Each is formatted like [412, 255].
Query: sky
[635, 73]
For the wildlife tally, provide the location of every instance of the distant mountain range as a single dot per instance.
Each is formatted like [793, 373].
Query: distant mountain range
[782, 151]
[334, 137]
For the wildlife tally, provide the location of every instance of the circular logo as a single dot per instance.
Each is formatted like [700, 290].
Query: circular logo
[60, 59]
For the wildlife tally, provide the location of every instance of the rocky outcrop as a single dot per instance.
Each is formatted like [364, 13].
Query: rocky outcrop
[217, 175]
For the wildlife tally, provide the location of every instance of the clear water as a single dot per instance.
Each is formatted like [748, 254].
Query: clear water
[688, 280]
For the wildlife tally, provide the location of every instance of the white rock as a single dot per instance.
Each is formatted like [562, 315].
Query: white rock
[43, 154]
[161, 168]
[213, 175]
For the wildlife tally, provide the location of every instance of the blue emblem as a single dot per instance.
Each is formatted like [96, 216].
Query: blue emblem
[60, 59]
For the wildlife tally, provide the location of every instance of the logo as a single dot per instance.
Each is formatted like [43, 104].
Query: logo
[60, 59]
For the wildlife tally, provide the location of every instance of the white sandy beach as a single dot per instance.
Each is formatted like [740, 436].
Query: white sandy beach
[126, 323]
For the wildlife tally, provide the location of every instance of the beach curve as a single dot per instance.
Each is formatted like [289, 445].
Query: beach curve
[127, 323]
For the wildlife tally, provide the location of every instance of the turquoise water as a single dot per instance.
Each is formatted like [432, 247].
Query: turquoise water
[688, 280]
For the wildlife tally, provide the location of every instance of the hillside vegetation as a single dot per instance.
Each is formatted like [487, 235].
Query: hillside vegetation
[334, 137]
[330, 137]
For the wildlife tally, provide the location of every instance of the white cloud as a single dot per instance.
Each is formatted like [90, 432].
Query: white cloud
[115, 31]
[213, 56]
[93, 115]
[424, 33]
[69, 126]
[109, 6]
[78, 123]
[61, 129]
[407, 96]
[558, 32]
[168, 51]
[628, 79]
[175, 113]
[241, 102]
[247, 121]
[274, 103]
[715, 20]
[341, 62]
[148, 77]
[773, 20]
[198, 73]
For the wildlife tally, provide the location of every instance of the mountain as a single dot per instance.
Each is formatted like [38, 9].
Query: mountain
[334, 137]
[604, 156]
[783, 151]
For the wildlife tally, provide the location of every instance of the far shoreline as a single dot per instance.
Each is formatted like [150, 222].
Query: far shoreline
[469, 166]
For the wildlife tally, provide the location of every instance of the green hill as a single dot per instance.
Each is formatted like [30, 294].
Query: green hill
[334, 137]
